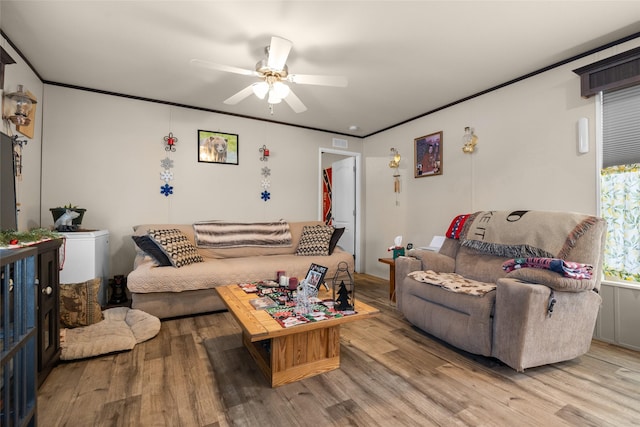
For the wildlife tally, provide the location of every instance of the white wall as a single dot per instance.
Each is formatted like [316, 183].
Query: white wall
[526, 158]
[103, 153]
[28, 186]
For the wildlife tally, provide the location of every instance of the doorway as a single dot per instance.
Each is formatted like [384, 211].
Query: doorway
[345, 200]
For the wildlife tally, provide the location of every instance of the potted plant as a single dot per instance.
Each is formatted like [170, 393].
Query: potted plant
[61, 210]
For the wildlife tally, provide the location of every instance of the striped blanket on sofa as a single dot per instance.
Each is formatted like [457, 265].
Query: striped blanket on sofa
[221, 234]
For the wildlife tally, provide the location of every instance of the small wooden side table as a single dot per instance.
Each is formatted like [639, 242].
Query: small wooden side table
[392, 276]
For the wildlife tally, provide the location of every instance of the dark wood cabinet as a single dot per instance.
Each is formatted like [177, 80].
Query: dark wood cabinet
[48, 279]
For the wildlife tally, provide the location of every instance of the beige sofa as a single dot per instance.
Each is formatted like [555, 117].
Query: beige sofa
[534, 316]
[169, 291]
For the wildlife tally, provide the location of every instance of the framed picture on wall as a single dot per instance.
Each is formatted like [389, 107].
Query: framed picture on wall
[428, 155]
[218, 147]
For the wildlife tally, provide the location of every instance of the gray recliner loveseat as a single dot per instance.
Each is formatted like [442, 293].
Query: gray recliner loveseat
[533, 316]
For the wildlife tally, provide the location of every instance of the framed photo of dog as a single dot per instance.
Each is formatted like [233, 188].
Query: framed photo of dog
[218, 147]
[428, 155]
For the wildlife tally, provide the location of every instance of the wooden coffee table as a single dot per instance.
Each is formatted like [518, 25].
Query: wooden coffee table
[286, 355]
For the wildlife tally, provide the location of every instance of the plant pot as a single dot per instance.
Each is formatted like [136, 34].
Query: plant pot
[58, 212]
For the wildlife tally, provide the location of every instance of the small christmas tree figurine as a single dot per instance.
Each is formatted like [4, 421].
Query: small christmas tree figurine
[343, 302]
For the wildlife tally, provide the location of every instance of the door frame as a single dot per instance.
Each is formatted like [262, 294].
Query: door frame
[358, 196]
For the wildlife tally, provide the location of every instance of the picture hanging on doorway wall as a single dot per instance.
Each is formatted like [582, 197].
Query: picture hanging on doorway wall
[428, 155]
[217, 147]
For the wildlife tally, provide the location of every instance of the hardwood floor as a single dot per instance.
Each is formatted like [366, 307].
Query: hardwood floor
[391, 375]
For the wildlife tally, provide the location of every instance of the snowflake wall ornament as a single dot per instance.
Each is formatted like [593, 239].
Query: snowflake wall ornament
[265, 195]
[166, 190]
[265, 184]
[166, 163]
[266, 171]
[166, 175]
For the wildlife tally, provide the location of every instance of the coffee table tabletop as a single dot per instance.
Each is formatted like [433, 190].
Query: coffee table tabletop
[286, 355]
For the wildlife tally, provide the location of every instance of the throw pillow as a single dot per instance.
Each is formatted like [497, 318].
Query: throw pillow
[79, 303]
[176, 247]
[315, 240]
[337, 233]
[150, 248]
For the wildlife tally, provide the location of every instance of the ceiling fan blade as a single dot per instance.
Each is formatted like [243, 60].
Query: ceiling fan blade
[244, 93]
[295, 103]
[306, 79]
[278, 52]
[221, 67]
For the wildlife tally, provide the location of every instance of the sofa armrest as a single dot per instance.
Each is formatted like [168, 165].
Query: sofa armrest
[527, 335]
[404, 265]
[433, 261]
[552, 279]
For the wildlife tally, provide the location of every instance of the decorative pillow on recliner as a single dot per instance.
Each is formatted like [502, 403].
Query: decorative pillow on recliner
[148, 246]
[315, 240]
[176, 247]
[551, 280]
[337, 233]
[79, 303]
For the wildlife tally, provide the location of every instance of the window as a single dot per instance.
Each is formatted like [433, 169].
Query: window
[620, 183]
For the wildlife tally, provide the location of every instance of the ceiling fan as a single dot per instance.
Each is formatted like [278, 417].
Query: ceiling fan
[273, 75]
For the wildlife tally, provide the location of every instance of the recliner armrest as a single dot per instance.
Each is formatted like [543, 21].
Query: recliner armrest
[433, 261]
[552, 280]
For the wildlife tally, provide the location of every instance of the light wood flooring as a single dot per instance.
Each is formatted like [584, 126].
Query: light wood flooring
[391, 375]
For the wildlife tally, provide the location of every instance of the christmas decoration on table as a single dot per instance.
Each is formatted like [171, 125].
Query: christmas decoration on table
[171, 141]
[307, 294]
[344, 290]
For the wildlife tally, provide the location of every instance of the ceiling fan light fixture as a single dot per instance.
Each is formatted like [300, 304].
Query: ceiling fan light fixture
[281, 90]
[273, 97]
[260, 89]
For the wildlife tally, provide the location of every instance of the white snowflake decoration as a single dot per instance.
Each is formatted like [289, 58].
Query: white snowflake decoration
[166, 175]
[265, 183]
[166, 163]
[266, 171]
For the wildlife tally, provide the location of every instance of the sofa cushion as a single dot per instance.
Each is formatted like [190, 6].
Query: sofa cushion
[176, 246]
[149, 247]
[315, 240]
[335, 237]
[79, 303]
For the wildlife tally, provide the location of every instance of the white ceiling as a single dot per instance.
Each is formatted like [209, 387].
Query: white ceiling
[402, 59]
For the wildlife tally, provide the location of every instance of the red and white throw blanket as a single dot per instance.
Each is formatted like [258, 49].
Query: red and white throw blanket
[573, 270]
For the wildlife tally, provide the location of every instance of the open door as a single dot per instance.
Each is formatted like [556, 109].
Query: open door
[343, 201]
[345, 197]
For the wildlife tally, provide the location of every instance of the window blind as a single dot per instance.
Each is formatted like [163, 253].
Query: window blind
[621, 127]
